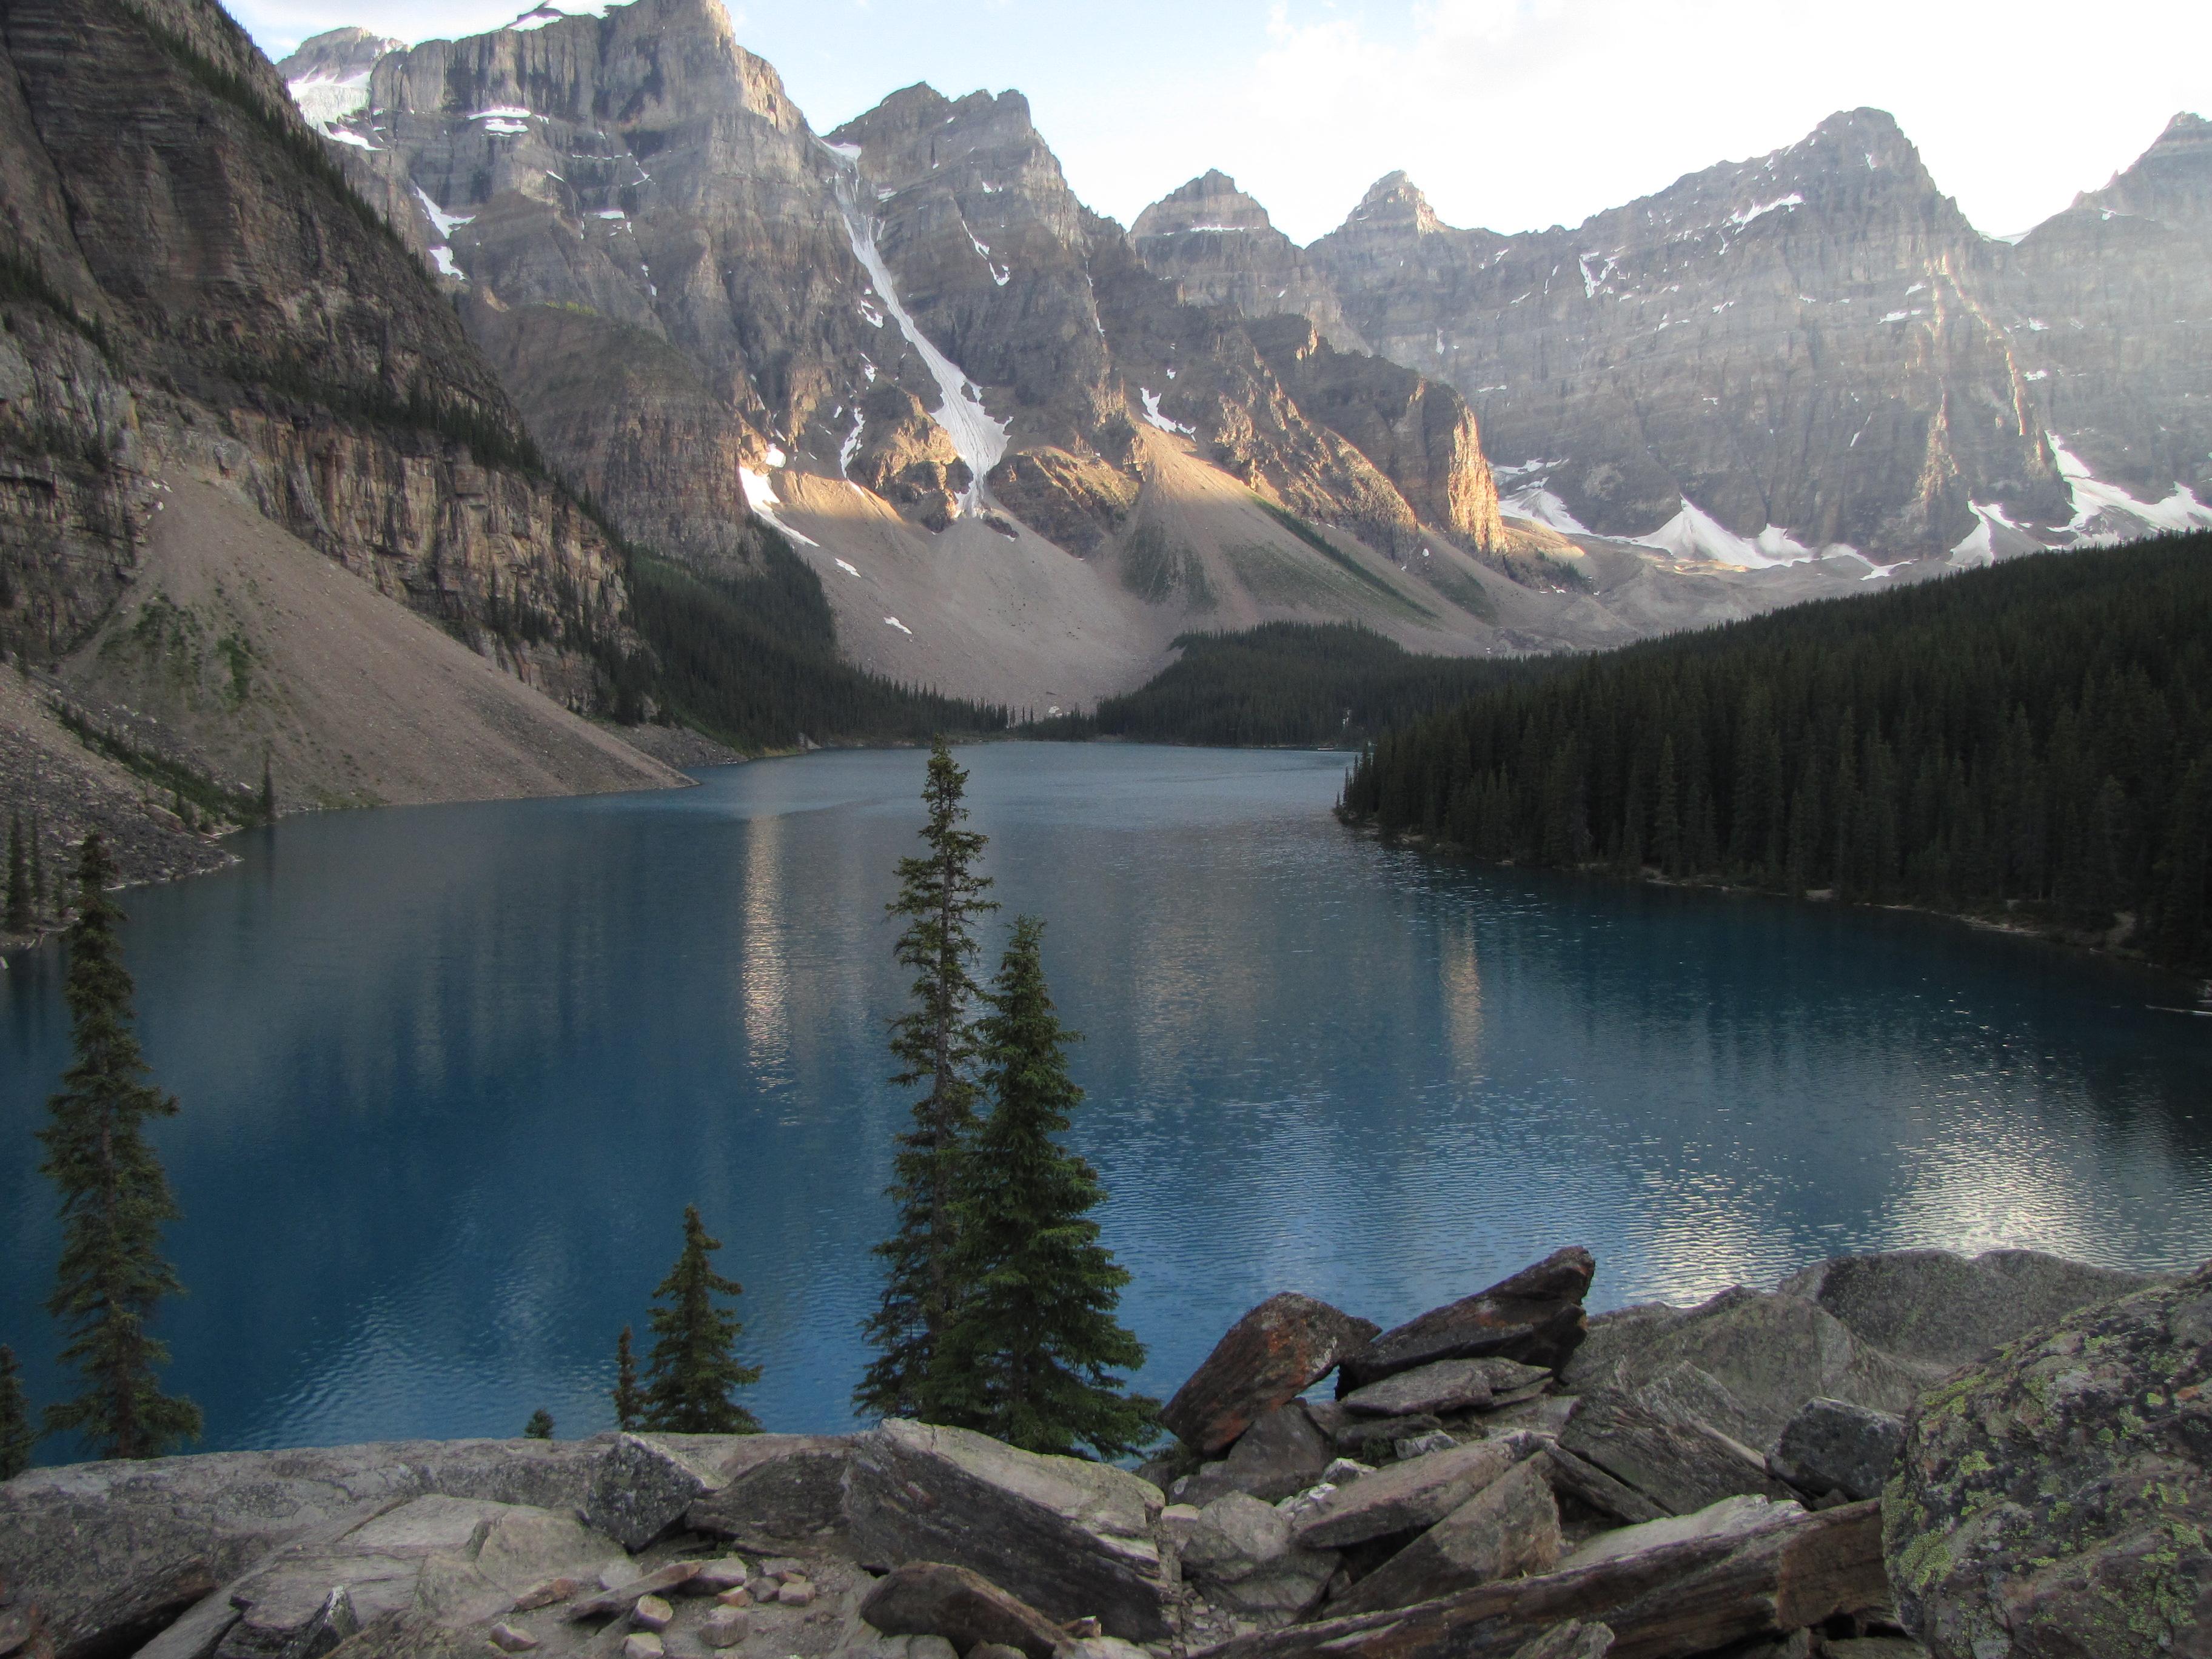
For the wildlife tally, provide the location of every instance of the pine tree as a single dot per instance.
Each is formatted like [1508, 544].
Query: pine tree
[268, 804]
[630, 1401]
[940, 897]
[114, 1199]
[1030, 1352]
[18, 919]
[694, 1364]
[540, 1425]
[37, 874]
[16, 1437]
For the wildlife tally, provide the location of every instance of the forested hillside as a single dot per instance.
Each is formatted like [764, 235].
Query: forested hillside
[2033, 739]
[1291, 685]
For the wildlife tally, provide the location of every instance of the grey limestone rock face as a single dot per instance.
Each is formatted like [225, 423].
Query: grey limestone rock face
[1410, 1496]
[1834, 1447]
[1510, 1527]
[1448, 1385]
[1536, 1316]
[1935, 1311]
[1218, 244]
[1071, 1539]
[1284, 1452]
[2057, 1498]
[1682, 1468]
[111, 1546]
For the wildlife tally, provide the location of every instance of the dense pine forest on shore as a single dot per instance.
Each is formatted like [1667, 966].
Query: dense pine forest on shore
[1287, 685]
[2031, 741]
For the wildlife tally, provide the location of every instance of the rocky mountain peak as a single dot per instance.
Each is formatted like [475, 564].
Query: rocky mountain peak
[337, 54]
[1395, 202]
[1210, 201]
[2171, 181]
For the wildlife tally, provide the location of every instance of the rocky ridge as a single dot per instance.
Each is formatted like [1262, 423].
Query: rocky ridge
[1500, 1476]
[927, 362]
[193, 298]
[1813, 353]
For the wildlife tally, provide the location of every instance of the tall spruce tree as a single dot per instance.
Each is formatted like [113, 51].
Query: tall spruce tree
[114, 1199]
[694, 1364]
[16, 1435]
[940, 897]
[1031, 1351]
[19, 919]
[628, 1398]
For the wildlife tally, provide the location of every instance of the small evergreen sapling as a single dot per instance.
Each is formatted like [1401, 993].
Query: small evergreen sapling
[540, 1425]
[114, 1197]
[694, 1365]
[940, 897]
[1030, 1355]
[16, 1436]
[629, 1400]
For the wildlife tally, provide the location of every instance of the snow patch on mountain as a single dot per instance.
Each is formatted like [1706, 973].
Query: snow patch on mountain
[760, 496]
[1697, 535]
[327, 99]
[2093, 499]
[1153, 417]
[977, 438]
[554, 11]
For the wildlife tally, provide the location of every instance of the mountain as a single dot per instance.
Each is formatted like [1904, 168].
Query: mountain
[1023, 449]
[1815, 351]
[263, 504]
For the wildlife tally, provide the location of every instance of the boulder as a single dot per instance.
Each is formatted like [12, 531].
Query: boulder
[1832, 1446]
[1284, 1452]
[929, 1598]
[1935, 1311]
[1536, 1316]
[724, 1627]
[1448, 1385]
[643, 1485]
[1374, 1439]
[454, 1561]
[1411, 1496]
[1767, 1352]
[1681, 1467]
[2058, 1498]
[113, 1551]
[777, 1489]
[1241, 1551]
[1690, 1598]
[1730, 1517]
[621, 1597]
[1070, 1538]
[1575, 1478]
[1572, 1640]
[1270, 1357]
[1510, 1527]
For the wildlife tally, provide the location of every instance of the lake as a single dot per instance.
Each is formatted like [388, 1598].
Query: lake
[450, 1075]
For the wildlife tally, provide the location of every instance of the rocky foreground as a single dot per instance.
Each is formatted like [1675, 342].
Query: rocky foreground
[1886, 1455]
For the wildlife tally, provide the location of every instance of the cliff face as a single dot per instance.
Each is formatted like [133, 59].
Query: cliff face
[2108, 307]
[1220, 246]
[192, 296]
[1798, 346]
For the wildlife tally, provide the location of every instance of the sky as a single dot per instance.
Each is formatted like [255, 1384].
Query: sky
[1512, 114]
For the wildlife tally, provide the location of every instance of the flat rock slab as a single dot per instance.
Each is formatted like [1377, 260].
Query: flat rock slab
[1073, 1539]
[1833, 1446]
[1681, 1467]
[929, 1598]
[1936, 1311]
[1591, 1486]
[107, 1548]
[1270, 1357]
[778, 1490]
[2058, 1498]
[1410, 1496]
[1284, 1452]
[1730, 1517]
[1694, 1598]
[1536, 1316]
[1511, 1527]
[1448, 1385]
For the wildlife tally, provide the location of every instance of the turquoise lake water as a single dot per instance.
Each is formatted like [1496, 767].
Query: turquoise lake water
[449, 1074]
